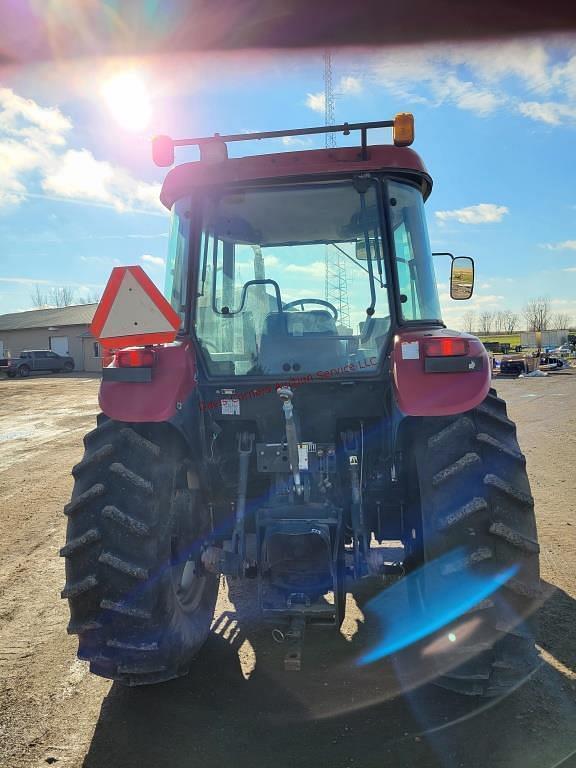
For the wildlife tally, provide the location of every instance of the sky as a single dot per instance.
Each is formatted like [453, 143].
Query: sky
[495, 126]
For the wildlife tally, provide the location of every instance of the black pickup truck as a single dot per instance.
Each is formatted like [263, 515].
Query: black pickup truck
[43, 360]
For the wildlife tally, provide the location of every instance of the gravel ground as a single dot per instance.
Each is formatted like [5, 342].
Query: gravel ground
[237, 707]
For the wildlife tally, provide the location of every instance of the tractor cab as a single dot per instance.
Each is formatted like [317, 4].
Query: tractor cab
[299, 264]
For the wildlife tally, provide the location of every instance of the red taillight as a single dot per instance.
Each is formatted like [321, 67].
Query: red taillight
[445, 347]
[135, 358]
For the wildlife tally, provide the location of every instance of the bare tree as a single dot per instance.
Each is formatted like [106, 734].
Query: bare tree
[39, 298]
[486, 321]
[469, 321]
[498, 319]
[61, 296]
[560, 321]
[93, 297]
[537, 314]
[510, 321]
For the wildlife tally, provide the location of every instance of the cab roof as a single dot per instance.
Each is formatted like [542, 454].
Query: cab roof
[321, 163]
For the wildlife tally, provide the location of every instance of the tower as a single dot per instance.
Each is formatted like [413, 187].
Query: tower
[336, 278]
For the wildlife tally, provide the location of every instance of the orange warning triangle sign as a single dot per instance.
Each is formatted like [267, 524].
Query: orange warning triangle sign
[132, 311]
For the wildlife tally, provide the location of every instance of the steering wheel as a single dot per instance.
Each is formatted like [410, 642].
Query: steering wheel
[301, 302]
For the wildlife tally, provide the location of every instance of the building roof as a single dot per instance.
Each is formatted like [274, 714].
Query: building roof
[80, 314]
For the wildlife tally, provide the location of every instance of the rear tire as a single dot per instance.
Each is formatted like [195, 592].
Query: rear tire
[136, 523]
[68, 367]
[475, 497]
[24, 371]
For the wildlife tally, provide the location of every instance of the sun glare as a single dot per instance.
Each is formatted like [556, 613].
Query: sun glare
[127, 99]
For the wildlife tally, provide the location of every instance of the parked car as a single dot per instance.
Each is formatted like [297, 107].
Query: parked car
[564, 350]
[36, 360]
[551, 363]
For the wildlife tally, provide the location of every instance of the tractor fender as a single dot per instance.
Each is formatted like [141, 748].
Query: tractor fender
[440, 385]
[173, 380]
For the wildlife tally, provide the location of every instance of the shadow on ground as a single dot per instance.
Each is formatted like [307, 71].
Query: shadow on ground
[334, 713]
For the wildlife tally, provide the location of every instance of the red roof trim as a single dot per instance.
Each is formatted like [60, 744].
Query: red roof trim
[183, 178]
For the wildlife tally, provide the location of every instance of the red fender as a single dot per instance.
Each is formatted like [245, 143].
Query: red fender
[173, 380]
[422, 393]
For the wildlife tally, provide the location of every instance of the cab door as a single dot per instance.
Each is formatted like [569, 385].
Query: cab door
[41, 361]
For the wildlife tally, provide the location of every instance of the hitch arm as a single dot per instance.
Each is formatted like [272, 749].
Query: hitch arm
[245, 447]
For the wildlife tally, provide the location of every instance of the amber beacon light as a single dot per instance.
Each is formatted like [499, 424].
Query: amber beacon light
[403, 130]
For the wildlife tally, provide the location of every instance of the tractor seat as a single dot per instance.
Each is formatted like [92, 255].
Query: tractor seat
[300, 341]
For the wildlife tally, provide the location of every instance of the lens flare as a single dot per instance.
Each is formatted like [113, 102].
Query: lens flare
[128, 100]
[402, 626]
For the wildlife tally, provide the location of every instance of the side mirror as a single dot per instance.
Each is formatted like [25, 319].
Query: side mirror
[361, 253]
[462, 278]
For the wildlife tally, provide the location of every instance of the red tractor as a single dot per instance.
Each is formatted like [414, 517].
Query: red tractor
[310, 406]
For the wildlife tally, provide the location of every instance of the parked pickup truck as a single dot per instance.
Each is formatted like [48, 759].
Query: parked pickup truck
[36, 360]
[515, 365]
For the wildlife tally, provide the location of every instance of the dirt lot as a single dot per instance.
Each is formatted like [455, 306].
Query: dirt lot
[237, 707]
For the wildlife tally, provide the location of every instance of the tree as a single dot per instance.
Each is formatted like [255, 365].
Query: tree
[93, 297]
[498, 318]
[62, 296]
[560, 321]
[537, 314]
[485, 324]
[38, 298]
[510, 321]
[469, 321]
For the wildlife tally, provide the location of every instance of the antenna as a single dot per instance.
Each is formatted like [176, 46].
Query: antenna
[336, 277]
[329, 100]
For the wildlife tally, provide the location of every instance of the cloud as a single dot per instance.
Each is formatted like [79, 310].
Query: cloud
[34, 156]
[271, 260]
[16, 161]
[315, 269]
[25, 118]
[39, 281]
[549, 112]
[350, 85]
[566, 245]
[478, 301]
[483, 213]
[569, 269]
[107, 261]
[524, 60]
[78, 175]
[25, 281]
[465, 95]
[122, 237]
[453, 312]
[482, 78]
[429, 76]
[296, 141]
[158, 261]
[316, 102]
